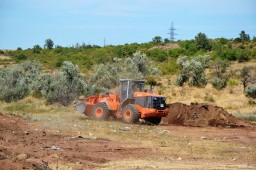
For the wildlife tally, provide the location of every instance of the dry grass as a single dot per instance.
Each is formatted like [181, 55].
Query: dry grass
[231, 98]
[3, 57]
[165, 164]
[5, 61]
[166, 46]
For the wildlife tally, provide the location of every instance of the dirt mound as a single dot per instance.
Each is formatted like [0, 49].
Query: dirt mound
[202, 115]
[22, 147]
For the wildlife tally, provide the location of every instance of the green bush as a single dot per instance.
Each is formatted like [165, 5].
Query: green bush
[192, 71]
[250, 91]
[243, 56]
[157, 55]
[16, 81]
[21, 57]
[202, 42]
[62, 87]
[232, 82]
[176, 52]
[220, 77]
[15, 93]
[209, 98]
[59, 63]
[219, 83]
[107, 75]
[1, 52]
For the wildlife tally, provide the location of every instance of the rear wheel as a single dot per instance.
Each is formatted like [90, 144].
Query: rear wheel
[100, 111]
[153, 120]
[130, 114]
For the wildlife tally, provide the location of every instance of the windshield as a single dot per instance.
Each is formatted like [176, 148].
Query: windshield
[138, 86]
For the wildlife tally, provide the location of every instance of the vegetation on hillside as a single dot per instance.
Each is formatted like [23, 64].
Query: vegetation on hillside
[56, 73]
[65, 85]
[165, 53]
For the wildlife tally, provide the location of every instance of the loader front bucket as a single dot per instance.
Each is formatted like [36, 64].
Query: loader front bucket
[80, 107]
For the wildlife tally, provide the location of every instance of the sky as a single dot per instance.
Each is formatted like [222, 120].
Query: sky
[25, 23]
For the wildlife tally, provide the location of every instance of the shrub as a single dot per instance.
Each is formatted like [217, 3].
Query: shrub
[21, 57]
[192, 71]
[157, 55]
[219, 83]
[250, 91]
[1, 52]
[152, 81]
[63, 86]
[251, 102]
[243, 56]
[107, 75]
[246, 76]
[197, 74]
[220, 77]
[59, 63]
[15, 93]
[209, 98]
[16, 81]
[232, 82]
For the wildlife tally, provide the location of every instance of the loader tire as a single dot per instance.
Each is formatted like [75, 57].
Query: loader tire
[100, 111]
[130, 114]
[153, 120]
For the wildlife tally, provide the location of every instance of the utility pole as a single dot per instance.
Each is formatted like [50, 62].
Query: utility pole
[172, 33]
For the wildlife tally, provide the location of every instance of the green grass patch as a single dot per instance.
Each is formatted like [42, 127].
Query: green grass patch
[232, 82]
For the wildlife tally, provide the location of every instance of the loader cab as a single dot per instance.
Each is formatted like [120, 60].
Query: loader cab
[128, 87]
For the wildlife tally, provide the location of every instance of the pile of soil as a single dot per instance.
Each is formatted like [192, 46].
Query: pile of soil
[22, 147]
[202, 115]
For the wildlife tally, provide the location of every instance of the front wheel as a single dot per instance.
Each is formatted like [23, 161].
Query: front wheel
[154, 120]
[130, 114]
[100, 111]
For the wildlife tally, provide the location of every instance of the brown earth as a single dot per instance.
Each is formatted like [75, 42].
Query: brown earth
[22, 147]
[26, 146]
[203, 115]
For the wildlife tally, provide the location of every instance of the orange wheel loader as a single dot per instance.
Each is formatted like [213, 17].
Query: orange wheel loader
[131, 104]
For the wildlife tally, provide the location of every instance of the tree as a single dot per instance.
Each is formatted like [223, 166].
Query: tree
[244, 37]
[246, 75]
[202, 42]
[48, 44]
[157, 39]
[37, 49]
[166, 40]
[254, 39]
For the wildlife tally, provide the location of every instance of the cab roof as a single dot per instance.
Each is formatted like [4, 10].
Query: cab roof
[121, 80]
